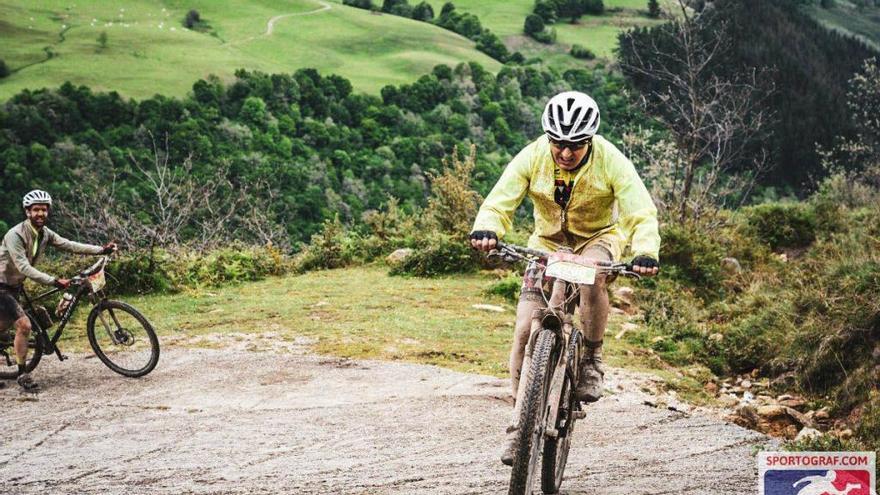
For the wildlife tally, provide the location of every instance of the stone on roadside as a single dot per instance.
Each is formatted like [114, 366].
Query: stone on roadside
[771, 411]
[711, 388]
[489, 307]
[398, 256]
[731, 266]
[623, 297]
[808, 434]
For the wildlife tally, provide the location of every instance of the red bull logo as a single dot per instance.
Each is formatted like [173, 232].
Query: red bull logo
[817, 473]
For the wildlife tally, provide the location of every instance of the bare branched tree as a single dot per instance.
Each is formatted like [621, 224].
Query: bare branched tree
[714, 119]
[173, 207]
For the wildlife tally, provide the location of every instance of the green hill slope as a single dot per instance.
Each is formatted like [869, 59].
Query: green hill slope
[148, 51]
[847, 18]
[598, 33]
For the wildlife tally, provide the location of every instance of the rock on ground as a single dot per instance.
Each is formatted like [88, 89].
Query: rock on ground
[239, 422]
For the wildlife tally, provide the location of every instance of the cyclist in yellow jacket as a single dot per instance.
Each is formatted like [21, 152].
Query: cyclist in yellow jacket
[587, 197]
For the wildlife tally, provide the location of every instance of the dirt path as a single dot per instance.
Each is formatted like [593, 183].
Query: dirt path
[235, 421]
[270, 24]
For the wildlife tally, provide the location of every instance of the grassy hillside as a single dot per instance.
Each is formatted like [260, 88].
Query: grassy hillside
[846, 18]
[361, 312]
[598, 33]
[148, 51]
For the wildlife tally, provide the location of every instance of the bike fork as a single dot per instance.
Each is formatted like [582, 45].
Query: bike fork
[526, 364]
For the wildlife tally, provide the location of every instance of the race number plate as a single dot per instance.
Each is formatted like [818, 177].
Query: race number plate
[97, 281]
[571, 272]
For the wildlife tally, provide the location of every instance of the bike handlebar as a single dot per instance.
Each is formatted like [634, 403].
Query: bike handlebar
[528, 254]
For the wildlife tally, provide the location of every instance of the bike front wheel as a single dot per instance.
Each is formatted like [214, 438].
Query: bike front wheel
[122, 338]
[556, 449]
[533, 416]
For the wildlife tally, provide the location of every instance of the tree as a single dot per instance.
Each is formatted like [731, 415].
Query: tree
[546, 9]
[192, 19]
[593, 7]
[534, 24]
[713, 118]
[102, 41]
[447, 9]
[423, 12]
[653, 9]
[572, 9]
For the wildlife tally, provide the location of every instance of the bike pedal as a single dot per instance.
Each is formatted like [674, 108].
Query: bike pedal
[579, 414]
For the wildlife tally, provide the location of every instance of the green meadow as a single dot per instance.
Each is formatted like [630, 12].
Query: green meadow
[598, 33]
[148, 50]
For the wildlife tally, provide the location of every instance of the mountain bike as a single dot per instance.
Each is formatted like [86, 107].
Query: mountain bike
[546, 408]
[122, 338]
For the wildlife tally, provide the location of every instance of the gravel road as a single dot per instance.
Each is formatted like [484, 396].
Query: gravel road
[284, 421]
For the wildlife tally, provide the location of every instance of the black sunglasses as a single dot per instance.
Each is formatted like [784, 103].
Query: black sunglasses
[570, 145]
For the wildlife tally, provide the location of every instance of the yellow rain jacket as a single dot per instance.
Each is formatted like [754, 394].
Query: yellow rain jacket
[606, 178]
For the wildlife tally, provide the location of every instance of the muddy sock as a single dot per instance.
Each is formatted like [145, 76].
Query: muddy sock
[21, 369]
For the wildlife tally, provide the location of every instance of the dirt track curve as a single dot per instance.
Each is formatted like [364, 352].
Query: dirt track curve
[233, 421]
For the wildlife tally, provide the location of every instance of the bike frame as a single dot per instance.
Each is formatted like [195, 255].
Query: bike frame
[50, 343]
[549, 319]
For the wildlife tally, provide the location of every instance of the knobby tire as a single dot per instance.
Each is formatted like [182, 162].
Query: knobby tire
[111, 305]
[556, 449]
[532, 415]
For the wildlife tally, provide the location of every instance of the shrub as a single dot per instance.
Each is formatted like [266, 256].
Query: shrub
[581, 52]
[546, 9]
[333, 247]
[4, 69]
[534, 24]
[547, 36]
[691, 256]
[192, 19]
[508, 287]
[593, 7]
[653, 9]
[781, 225]
[423, 12]
[672, 317]
[361, 4]
[438, 255]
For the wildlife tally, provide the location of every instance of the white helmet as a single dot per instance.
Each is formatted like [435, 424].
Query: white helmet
[36, 197]
[570, 116]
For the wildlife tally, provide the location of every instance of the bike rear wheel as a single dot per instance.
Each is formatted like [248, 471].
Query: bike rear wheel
[122, 338]
[533, 415]
[556, 449]
[8, 366]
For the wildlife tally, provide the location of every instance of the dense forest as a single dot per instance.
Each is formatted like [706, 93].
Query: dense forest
[317, 148]
[802, 68]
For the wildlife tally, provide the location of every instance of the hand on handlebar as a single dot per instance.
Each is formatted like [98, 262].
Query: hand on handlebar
[645, 265]
[483, 240]
[109, 248]
[62, 283]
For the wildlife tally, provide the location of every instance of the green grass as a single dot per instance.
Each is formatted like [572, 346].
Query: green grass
[598, 33]
[149, 51]
[846, 18]
[364, 313]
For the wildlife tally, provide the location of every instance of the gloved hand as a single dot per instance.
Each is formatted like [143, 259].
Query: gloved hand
[110, 247]
[645, 265]
[484, 240]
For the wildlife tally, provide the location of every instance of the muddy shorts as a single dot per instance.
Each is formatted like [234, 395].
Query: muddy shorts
[10, 309]
[604, 247]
